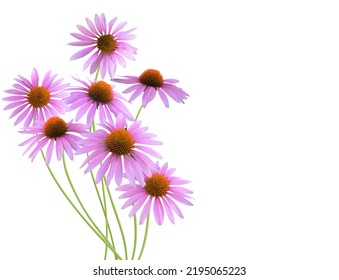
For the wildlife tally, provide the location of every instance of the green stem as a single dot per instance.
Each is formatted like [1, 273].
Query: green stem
[145, 237]
[77, 196]
[135, 217]
[103, 206]
[93, 126]
[135, 235]
[118, 220]
[105, 214]
[77, 210]
[97, 74]
[137, 116]
[104, 209]
[98, 70]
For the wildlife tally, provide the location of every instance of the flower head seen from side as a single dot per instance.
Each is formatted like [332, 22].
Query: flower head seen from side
[56, 134]
[34, 103]
[94, 96]
[151, 82]
[120, 150]
[161, 191]
[106, 43]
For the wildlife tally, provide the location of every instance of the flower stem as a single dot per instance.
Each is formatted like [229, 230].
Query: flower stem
[105, 214]
[145, 237]
[78, 211]
[103, 205]
[137, 116]
[77, 196]
[135, 217]
[104, 209]
[98, 70]
[118, 220]
[135, 235]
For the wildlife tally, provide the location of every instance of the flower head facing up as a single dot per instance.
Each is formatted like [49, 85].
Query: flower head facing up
[120, 142]
[161, 190]
[94, 96]
[106, 43]
[55, 127]
[35, 103]
[120, 150]
[100, 92]
[151, 82]
[151, 78]
[56, 133]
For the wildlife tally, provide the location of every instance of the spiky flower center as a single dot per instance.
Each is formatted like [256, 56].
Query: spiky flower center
[39, 97]
[120, 142]
[106, 44]
[152, 78]
[101, 92]
[55, 127]
[157, 185]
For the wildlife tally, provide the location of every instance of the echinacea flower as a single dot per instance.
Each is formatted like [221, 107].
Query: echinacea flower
[58, 134]
[95, 96]
[151, 82]
[35, 102]
[119, 149]
[107, 44]
[160, 191]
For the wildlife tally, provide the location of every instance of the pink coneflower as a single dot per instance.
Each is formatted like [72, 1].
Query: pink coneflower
[160, 189]
[151, 82]
[95, 96]
[56, 133]
[35, 102]
[120, 149]
[108, 44]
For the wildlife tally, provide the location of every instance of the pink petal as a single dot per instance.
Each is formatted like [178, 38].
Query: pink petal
[35, 78]
[82, 52]
[158, 211]
[145, 210]
[169, 211]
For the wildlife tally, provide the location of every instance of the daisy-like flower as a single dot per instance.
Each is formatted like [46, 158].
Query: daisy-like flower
[94, 96]
[119, 149]
[58, 134]
[151, 82]
[33, 102]
[107, 44]
[162, 190]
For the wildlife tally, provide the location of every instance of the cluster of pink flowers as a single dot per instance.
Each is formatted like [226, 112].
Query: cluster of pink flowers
[121, 150]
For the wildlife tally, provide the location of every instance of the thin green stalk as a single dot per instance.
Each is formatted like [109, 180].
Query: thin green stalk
[105, 214]
[137, 116]
[93, 126]
[103, 206]
[77, 210]
[135, 235]
[98, 70]
[135, 224]
[118, 220]
[77, 196]
[145, 237]
[97, 74]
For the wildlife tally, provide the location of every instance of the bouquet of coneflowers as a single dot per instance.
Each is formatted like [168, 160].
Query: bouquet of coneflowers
[118, 149]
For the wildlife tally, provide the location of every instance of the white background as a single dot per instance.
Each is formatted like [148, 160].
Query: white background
[258, 137]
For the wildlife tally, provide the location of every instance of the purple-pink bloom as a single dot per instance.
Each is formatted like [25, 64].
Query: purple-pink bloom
[151, 82]
[94, 96]
[33, 102]
[106, 43]
[161, 191]
[57, 135]
[120, 150]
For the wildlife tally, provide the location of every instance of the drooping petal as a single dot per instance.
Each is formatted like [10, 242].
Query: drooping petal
[158, 211]
[145, 210]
